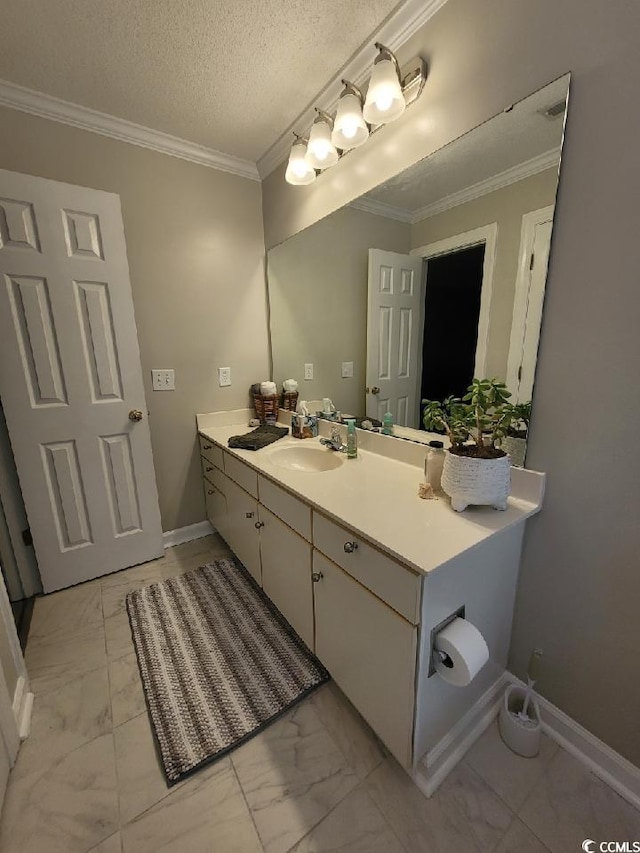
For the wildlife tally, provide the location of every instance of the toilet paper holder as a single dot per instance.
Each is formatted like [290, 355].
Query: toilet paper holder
[460, 612]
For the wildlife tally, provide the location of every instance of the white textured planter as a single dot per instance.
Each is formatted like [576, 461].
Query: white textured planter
[468, 480]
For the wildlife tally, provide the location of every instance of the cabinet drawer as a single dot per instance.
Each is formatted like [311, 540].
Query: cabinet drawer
[242, 474]
[208, 468]
[390, 581]
[218, 479]
[291, 510]
[370, 652]
[211, 452]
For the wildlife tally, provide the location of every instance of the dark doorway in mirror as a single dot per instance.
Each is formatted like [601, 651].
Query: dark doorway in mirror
[452, 309]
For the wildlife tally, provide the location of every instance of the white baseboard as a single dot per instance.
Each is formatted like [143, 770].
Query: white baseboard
[22, 707]
[436, 765]
[186, 534]
[619, 773]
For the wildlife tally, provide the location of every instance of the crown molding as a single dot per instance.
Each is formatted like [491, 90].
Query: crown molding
[531, 167]
[381, 208]
[393, 33]
[46, 106]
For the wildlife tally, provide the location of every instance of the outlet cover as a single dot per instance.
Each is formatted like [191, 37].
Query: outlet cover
[347, 370]
[308, 371]
[224, 376]
[163, 380]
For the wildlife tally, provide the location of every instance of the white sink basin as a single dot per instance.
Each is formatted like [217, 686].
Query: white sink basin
[311, 459]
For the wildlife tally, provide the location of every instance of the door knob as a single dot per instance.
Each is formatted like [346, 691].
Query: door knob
[135, 415]
[375, 390]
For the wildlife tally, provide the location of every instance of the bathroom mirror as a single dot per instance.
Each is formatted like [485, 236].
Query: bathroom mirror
[432, 277]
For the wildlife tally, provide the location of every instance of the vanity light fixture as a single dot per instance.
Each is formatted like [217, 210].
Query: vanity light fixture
[349, 128]
[385, 100]
[391, 89]
[321, 152]
[299, 172]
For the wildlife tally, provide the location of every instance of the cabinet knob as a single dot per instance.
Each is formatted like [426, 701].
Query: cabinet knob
[350, 547]
[206, 447]
[316, 576]
[249, 514]
[258, 525]
[209, 468]
[209, 491]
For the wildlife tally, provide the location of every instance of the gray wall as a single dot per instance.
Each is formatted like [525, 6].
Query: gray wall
[580, 580]
[196, 255]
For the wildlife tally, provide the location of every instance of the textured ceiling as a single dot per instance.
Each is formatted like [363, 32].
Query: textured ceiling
[505, 141]
[227, 74]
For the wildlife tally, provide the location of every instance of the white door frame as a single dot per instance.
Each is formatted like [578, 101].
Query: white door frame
[487, 234]
[522, 290]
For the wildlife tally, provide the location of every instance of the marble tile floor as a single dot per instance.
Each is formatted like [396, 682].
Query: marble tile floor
[88, 780]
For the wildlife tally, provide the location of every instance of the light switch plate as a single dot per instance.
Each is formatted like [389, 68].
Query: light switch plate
[308, 371]
[347, 370]
[224, 376]
[163, 380]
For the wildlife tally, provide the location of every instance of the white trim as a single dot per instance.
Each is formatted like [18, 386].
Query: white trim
[381, 208]
[412, 15]
[186, 534]
[538, 164]
[22, 707]
[615, 770]
[436, 765]
[521, 297]
[488, 235]
[46, 106]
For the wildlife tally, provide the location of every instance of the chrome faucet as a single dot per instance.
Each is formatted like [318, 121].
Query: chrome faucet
[334, 442]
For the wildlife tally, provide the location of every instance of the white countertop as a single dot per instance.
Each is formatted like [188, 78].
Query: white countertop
[378, 498]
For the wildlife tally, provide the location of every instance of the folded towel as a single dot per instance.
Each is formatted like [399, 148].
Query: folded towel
[258, 438]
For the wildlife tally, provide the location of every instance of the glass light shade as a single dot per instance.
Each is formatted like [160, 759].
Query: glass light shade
[349, 128]
[299, 172]
[321, 152]
[385, 101]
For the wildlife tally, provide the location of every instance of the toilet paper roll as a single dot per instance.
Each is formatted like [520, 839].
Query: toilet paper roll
[466, 652]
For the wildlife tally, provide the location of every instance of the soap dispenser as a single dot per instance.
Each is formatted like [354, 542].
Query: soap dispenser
[387, 424]
[352, 439]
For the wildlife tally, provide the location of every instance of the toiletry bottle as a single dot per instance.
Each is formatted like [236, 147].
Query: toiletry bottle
[352, 439]
[435, 461]
[387, 424]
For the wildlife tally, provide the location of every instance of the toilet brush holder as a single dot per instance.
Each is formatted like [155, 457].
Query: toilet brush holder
[521, 735]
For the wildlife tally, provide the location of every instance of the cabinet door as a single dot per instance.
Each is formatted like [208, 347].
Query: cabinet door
[216, 504]
[242, 535]
[286, 573]
[370, 651]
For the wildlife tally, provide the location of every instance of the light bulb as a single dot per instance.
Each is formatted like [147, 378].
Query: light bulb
[321, 152]
[349, 129]
[385, 101]
[299, 172]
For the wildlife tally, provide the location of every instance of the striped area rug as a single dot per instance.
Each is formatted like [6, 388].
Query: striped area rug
[218, 663]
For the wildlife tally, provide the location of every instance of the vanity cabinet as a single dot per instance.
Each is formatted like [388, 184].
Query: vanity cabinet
[286, 573]
[243, 536]
[370, 652]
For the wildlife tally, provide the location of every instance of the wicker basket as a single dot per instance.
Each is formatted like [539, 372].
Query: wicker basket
[289, 400]
[267, 408]
[469, 480]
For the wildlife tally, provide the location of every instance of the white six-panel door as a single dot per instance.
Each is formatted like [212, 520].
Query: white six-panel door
[70, 380]
[393, 336]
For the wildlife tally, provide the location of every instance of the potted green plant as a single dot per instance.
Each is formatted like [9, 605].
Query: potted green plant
[476, 470]
[515, 439]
